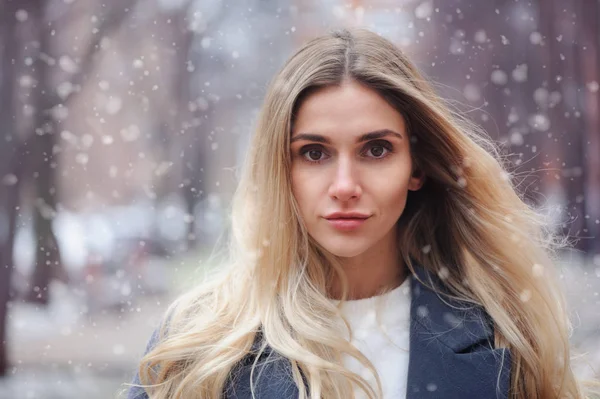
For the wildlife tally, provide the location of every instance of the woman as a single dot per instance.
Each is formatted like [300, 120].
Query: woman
[378, 249]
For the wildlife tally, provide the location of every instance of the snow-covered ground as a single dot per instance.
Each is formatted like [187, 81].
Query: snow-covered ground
[57, 354]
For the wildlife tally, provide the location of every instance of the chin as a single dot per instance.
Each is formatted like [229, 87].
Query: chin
[345, 249]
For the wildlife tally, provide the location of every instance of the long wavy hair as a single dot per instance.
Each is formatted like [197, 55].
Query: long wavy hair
[489, 246]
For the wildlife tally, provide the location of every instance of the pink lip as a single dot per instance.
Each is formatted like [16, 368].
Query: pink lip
[347, 215]
[346, 224]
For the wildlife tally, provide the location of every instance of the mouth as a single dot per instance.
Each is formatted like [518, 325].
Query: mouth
[348, 218]
[347, 215]
[346, 223]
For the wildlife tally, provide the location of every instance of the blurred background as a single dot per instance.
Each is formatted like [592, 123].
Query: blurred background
[123, 124]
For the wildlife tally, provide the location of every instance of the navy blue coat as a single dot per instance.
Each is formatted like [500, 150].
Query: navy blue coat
[451, 356]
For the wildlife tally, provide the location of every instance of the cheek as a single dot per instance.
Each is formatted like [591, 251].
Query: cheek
[390, 189]
[392, 195]
[301, 190]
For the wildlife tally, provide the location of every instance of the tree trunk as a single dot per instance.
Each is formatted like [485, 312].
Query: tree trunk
[9, 167]
[48, 263]
[589, 60]
[47, 259]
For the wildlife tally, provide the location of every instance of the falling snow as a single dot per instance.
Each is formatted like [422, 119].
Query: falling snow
[150, 111]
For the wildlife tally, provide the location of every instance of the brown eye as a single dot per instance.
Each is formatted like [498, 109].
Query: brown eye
[377, 151]
[314, 155]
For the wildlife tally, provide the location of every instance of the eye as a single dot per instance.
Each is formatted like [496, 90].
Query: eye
[379, 149]
[312, 154]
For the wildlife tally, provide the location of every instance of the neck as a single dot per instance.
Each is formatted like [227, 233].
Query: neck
[371, 272]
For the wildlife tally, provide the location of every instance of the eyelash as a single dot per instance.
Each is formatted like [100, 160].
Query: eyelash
[381, 143]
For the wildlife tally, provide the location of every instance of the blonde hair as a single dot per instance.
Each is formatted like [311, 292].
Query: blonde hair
[489, 247]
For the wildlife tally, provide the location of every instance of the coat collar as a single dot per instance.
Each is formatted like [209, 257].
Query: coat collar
[458, 325]
[451, 353]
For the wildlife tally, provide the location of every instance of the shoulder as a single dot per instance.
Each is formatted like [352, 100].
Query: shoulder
[136, 391]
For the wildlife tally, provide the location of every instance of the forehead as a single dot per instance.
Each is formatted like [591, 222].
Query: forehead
[346, 110]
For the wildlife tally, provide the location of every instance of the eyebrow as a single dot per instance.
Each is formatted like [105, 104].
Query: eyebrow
[377, 134]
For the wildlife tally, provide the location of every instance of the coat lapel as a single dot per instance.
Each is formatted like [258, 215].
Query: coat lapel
[451, 354]
[451, 348]
[272, 376]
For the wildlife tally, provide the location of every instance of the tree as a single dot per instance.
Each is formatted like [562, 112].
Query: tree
[49, 107]
[10, 170]
[36, 150]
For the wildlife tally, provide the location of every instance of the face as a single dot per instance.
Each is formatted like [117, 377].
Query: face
[351, 154]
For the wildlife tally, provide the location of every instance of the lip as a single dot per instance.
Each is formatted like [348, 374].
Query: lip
[346, 221]
[346, 224]
[347, 215]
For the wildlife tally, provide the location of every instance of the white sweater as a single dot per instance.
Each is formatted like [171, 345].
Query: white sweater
[380, 326]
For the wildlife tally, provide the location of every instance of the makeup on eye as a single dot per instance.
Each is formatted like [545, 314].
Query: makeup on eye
[386, 145]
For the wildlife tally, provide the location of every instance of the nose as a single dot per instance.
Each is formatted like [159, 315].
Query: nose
[345, 184]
